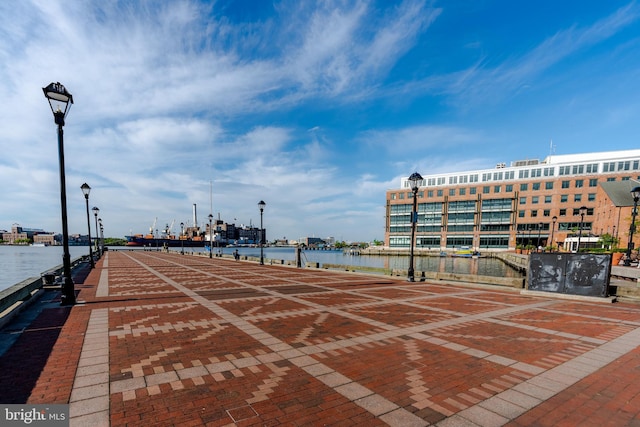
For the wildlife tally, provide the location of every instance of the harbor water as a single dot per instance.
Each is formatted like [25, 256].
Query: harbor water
[18, 263]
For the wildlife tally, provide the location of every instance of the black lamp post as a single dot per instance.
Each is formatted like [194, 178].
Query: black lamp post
[60, 101]
[553, 229]
[414, 181]
[210, 237]
[632, 227]
[101, 239]
[182, 238]
[96, 211]
[583, 210]
[261, 205]
[539, 230]
[85, 190]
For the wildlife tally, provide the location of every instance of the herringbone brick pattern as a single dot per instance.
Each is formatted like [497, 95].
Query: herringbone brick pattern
[166, 339]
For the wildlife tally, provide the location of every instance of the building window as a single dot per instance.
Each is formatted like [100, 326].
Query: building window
[609, 167]
[547, 199]
[453, 180]
[534, 213]
[401, 196]
[534, 199]
[440, 193]
[393, 196]
[521, 214]
[611, 179]
[548, 185]
[472, 190]
[546, 212]
[564, 198]
[523, 174]
[523, 200]
[508, 188]
[463, 191]
[564, 170]
[486, 189]
[452, 191]
[497, 189]
[577, 197]
[565, 184]
[578, 169]
[625, 178]
[562, 212]
[591, 197]
[579, 183]
[592, 168]
[429, 193]
[548, 171]
[473, 178]
[593, 182]
[524, 187]
[536, 173]
[535, 186]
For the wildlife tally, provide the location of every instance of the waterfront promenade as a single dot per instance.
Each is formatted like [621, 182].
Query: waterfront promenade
[166, 339]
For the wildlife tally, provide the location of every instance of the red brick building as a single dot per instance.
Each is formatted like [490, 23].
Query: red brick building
[528, 202]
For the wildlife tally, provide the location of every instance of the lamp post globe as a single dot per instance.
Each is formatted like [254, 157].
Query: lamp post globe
[261, 205]
[60, 101]
[414, 182]
[635, 193]
[210, 237]
[86, 190]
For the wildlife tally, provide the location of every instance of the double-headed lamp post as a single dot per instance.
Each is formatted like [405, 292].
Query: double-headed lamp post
[553, 228]
[635, 193]
[583, 210]
[96, 211]
[60, 101]
[539, 230]
[414, 181]
[210, 237]
[261, 205]
[85, 190]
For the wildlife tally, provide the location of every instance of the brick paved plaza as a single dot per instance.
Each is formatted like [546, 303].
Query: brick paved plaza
[166, 339]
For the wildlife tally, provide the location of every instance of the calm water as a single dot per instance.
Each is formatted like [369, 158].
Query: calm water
[18, 263]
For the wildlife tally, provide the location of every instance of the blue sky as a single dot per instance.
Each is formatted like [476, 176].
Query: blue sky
[317, 108]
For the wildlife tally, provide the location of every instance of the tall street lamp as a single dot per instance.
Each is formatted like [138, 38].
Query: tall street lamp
[414, 180]
[182, 238]
[210, 239]
[60, 101]
[583, 210]
[553, 229]
[96, 211]
[101, 238]
[261, 205]
[85, 190]
[632, 227]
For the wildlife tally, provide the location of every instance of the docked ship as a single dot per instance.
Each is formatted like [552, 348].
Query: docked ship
[190, 236]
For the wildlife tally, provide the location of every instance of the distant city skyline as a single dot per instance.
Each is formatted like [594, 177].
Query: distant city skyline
[316, 108]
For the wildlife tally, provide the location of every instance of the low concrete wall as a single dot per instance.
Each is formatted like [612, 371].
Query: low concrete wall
[14, 298]
[513, 282]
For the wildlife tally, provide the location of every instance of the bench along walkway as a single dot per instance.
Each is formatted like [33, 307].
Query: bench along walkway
[166, 339]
